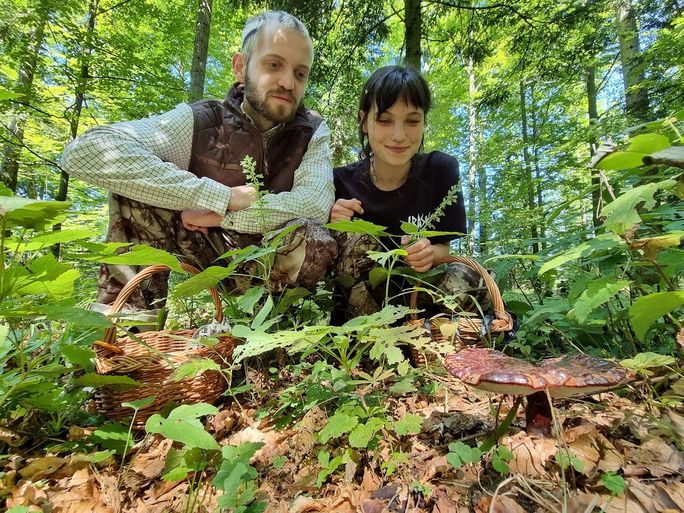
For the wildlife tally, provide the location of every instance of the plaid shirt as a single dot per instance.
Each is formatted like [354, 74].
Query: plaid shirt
[147, 160]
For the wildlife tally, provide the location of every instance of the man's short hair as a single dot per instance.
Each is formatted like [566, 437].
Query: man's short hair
[257, 23]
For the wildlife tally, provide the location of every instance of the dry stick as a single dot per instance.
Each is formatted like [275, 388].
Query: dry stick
[496, 492]
[561, 439]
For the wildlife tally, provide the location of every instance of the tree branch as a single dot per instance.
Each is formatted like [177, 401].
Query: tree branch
[527, 19]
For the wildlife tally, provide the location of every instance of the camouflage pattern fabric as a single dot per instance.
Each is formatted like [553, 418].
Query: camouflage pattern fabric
[302, 259]
[355, 295]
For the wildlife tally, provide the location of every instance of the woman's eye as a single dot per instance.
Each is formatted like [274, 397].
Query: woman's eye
[384, 121]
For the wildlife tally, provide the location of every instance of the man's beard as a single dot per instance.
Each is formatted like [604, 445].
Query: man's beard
[281, 113]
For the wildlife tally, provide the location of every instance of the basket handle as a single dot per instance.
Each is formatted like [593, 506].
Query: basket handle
[492, 287]
[127, 290]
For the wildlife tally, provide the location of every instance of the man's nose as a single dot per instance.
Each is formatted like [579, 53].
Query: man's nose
[286, 80]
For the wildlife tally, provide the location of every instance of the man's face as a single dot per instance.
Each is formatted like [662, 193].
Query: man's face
[276, 75]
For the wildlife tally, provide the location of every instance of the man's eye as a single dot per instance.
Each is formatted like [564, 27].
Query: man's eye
[302, 75]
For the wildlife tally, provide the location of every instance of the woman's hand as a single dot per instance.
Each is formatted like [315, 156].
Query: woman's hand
[344, 209]
[420, 254]
[200, 219]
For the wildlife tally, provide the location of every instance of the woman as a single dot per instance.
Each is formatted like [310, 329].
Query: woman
[394, 182]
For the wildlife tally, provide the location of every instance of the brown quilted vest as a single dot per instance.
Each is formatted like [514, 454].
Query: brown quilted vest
[223, 135]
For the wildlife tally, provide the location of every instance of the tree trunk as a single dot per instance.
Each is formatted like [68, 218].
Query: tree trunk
[592, 110]
[200, 51]
[413, 32]
[472, 156]
[24, 86]
[529, 185]
[636, 95]
[81, 88]
[537, 169]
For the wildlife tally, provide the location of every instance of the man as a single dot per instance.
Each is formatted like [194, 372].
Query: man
[176, 180]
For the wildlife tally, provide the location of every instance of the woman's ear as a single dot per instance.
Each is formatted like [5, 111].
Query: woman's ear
[362, 120]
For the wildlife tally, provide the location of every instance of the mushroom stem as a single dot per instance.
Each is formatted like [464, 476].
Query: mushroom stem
[538, 414]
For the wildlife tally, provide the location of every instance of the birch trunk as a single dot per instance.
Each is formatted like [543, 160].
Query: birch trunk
[472, 156]
[636, 96]
[592, 110]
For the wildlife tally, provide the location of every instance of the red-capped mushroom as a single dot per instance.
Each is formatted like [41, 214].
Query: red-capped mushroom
[566, 376]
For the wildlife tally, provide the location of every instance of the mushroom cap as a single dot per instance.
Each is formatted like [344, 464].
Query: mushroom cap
[566, 376]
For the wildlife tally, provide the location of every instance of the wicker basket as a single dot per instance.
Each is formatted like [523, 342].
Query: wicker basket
[471, 330]
[151, 358]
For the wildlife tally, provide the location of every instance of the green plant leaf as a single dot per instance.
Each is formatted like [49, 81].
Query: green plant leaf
[614, 483]
[249, 299]
[79, 355]
[260, 318]
[408, 228]
[6, 94]
[113, 435]
[82, 317]
[361, 435]
[603, 242]
[621, 160]
[648, 143]
[409, 425]
[140, 403]
[597, 293]
[30, 213]
[143, 255]
[61, 236]
[377, 275]
[337, 425]
[621, 214]
[358, 226]
[209, 277]
[100, 380]
[647, 309]
[194, 368]
[403, 387]
[643, 361]
[183, 425]
[290, 297]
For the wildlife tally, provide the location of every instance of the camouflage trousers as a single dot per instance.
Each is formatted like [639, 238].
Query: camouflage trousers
[355, 295]
[302, 259]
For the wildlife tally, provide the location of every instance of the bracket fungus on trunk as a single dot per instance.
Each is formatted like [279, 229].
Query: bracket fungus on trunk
[565, 376]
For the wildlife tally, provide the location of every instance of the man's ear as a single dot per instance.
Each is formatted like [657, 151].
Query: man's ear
[239, 67]
[362, 120]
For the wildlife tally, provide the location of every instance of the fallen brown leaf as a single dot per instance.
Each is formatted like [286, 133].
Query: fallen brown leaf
[670, 495]
[150, 462]
[654, 457]
[530, 454]
[42, 467]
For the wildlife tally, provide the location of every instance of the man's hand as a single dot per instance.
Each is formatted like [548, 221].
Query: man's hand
[200, 219]
[241, 197]
[421, 254]
[344, 209]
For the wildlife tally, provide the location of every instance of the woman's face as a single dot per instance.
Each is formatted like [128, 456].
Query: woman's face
[396, 134]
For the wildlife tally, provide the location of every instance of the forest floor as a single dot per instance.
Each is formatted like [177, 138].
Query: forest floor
[627, 435]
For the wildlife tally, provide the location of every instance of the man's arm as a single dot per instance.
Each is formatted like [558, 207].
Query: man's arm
[146, 160]
[312, 194]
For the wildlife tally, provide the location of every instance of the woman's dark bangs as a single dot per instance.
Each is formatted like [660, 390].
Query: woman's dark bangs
[401, 84]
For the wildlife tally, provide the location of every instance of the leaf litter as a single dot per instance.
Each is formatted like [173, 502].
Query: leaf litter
[606, 435]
